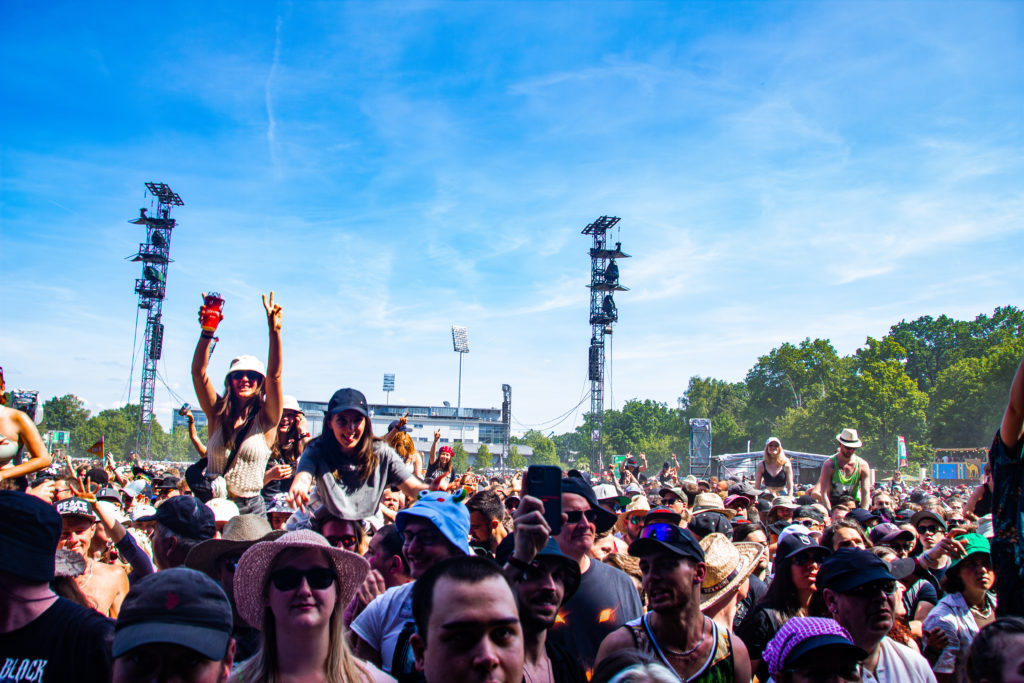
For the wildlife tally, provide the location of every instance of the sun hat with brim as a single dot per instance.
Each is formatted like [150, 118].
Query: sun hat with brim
[240, 533]
[638, 507]
[289, 402]
[674, 490]
[711, 502]
[737, 498]
[253, 572]
[224, 510]
[247, 364]
[179, 606]
[974, 544]
[801, 636]
[848, 568]
[928, 514]
[605, 518]
[849, 438]
[728, 565]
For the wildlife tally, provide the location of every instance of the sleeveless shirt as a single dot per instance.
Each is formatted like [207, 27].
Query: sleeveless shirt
[719, 666]
[245, 479]
[843, 486]
[773, 481]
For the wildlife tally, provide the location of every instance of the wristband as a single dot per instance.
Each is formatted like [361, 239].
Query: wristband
[305, 435]
[206, 335]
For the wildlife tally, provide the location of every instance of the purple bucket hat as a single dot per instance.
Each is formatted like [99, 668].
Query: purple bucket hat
[800, 635]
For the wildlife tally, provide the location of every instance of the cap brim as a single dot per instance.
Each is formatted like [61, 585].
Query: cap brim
[650, 546]
[851, 581]
[147, 518]
[837, 647]
[820, 549]
[209, 642]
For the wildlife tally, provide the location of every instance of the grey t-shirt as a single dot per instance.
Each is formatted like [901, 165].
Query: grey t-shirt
[348, 495]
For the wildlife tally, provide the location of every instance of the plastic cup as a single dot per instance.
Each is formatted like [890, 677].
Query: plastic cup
[213, 306]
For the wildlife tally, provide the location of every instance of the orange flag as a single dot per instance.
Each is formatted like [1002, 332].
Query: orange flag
[97, 448]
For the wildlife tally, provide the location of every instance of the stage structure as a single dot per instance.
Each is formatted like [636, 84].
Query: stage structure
[604, 280]
[151, 288]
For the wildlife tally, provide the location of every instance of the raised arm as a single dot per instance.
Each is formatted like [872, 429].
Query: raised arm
[275, 398]
[206, 393]
[28, 436]
[1013, 418]
[433, 447]
[193, 435]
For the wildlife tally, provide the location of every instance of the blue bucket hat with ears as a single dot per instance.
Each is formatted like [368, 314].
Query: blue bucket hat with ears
[446, 511]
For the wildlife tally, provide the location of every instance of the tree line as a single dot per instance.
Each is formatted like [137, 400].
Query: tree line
[939, 382]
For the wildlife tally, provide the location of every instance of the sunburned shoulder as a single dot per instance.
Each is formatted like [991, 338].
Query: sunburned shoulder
[619, 639]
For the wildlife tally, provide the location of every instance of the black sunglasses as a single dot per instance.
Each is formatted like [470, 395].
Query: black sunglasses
[667, 533]
[867, 590]
[247, 374]
[289, 579]
[574, 516]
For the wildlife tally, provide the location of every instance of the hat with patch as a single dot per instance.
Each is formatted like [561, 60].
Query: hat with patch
[793, 544]
[179, 606]
[446, 511]
[76, 507]
[28, 536]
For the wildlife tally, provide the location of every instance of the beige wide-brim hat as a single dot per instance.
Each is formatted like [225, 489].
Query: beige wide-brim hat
[728, 565]
[253, 572]
[849, 438]
[639, 506]
[711, 502]
[289, 402]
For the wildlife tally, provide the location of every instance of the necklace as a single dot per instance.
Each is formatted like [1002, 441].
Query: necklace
[983, 613]
[679, 653]
[87, 575]
[549, 673]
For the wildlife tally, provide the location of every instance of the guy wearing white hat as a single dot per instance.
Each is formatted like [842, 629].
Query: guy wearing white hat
[844, 473]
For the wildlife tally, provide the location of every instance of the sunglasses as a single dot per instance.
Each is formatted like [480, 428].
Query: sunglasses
[290, 578]
[246, 374]
[574, 516]
[667, 533]
[928, 529]
[804, 559]
[348, 541]
[637, 520]
[872, 588]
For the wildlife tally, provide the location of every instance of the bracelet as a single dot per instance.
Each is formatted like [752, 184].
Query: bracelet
[305, 435]
[519, 564]
[206, 335]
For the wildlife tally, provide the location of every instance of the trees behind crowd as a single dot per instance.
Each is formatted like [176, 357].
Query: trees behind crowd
[939, 382]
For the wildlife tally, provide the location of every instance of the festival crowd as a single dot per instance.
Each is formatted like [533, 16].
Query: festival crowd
[350, 556]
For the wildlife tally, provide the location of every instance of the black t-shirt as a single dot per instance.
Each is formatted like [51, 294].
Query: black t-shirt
[67, 642]
[564, 666]
[755, 592]
[921, 591]
[757, 630]
[605, 600]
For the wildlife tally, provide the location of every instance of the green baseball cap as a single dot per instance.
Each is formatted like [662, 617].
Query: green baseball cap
[973, 544]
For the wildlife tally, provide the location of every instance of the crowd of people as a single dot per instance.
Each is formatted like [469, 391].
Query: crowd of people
[346, 556]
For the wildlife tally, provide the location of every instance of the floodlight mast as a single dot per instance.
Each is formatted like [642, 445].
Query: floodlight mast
[151, 288]
[604, 279]
[389, 386]
[460, 342]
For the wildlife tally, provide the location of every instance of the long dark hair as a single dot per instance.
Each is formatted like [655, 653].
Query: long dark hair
[365, 451]
[782, 594]
[229, 405]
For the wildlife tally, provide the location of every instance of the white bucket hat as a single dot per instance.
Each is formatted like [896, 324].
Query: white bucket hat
[251, 363]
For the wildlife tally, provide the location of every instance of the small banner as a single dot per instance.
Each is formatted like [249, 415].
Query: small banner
[901, 452]
[97, 448]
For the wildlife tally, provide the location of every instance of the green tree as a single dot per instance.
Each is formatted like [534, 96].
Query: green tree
[460, 459]
[723, 402]
[65, 413]
[483, 457]
[515, 459]
[543, 449]
[787, 378]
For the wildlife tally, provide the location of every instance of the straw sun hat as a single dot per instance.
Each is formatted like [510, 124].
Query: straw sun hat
[253, 572]
[728, 565]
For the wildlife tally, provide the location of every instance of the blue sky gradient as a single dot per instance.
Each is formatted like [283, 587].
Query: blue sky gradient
[782, 170]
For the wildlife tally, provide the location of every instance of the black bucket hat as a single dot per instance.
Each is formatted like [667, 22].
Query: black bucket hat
[605, 518]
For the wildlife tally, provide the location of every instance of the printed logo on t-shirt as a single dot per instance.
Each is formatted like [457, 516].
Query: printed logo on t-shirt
[16, 670]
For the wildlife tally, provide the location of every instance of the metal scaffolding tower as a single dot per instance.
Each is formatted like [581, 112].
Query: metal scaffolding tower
[151, 288]
[604, 279]
[506, 418]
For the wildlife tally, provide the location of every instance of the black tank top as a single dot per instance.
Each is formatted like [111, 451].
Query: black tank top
[984, 504]
[777, 481]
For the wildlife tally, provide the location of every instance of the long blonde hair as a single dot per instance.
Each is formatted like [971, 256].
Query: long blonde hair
[341, 666]
[781, 459]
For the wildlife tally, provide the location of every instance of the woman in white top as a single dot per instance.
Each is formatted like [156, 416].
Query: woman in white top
[243, 421]
[17, 431]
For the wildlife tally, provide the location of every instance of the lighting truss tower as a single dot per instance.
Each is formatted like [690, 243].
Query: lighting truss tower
[506, 417]
[604, 280]
[460, 342]
[151, 288]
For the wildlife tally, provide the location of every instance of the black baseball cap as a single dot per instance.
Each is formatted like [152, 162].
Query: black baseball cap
[848, 568]
[179, 606]
[605, 518]
[348, 399]
[108, 493]
[710, 522]
[862, 516]
[186, 516]
[661, 537]
[75, 507]
[809, 512]
[168, 482]
[794, 544]
[28, 536]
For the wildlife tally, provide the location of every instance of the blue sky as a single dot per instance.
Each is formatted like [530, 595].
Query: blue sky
[782, 170]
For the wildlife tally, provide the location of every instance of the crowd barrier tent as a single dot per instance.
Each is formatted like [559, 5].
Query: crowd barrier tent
[806, 466]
